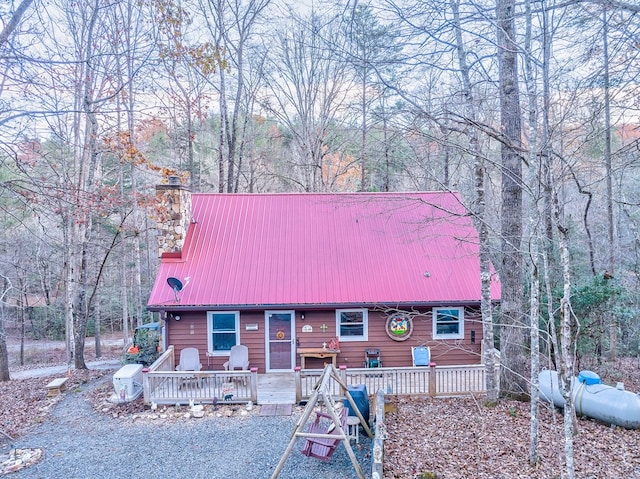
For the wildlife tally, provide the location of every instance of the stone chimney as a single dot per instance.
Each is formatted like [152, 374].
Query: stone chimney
[173, 216]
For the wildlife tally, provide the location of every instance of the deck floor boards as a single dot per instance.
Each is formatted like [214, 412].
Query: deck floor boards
[277, 388]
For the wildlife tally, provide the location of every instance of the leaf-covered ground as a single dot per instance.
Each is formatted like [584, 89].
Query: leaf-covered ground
[461, 438]
[427, 438]
[25, 402]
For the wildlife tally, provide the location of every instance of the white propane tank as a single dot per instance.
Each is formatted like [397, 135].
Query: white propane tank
[608, 404]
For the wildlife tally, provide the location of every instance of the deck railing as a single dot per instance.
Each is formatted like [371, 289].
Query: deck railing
[163, 385]
[433, 380]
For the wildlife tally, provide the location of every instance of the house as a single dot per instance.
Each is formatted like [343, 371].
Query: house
[283, 272]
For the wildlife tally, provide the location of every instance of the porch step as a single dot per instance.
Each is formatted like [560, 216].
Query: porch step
[276, 388]
[275, 410]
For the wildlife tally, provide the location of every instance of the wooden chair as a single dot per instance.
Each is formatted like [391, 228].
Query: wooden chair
[323, 447]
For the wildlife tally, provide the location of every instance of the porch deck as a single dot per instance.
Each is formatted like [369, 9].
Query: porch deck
[164, 385]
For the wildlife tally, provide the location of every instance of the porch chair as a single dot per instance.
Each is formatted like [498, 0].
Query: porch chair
[189, 361]
[372, 358]
[238, 358]
[320, 447]
[421, 355]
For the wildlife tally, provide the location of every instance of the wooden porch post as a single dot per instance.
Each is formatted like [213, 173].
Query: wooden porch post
[432, 379]
[172, 358]
[298, 384]
[145, 386]
[254, 385]
[343, 378]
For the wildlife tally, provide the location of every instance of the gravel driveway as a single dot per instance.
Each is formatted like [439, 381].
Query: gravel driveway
[79, 442]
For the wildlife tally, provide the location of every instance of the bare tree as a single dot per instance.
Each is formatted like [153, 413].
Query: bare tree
[4, 352]
[480, 213]
[232, 26]
[308, 90]
[515, 364]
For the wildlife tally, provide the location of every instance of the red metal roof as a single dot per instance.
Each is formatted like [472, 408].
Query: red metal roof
[324, 249]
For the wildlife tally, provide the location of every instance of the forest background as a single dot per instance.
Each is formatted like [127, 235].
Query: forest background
[531, 110]
[101, 101]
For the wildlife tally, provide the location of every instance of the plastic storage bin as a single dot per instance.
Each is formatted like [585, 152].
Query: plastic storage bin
[361, 398]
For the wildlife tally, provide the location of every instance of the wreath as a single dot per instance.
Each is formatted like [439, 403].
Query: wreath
[399, 327]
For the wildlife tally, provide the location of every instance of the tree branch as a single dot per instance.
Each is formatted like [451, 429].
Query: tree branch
[13, 23]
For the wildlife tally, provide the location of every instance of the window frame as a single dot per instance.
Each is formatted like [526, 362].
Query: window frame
[460, 322]
[365, 325]
[210, 332]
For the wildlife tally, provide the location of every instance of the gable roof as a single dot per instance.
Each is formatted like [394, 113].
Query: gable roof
[279, 250]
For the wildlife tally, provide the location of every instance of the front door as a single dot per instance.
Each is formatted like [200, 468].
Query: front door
[280, 329]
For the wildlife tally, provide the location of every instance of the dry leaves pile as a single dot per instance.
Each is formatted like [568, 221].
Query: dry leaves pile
[461, 438]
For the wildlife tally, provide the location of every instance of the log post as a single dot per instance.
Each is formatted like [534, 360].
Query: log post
[377, 462]
[432, 379]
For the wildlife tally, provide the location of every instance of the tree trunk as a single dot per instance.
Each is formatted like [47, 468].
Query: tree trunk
[4, 351]
[612, 323]
[515, 360]
[479, 215]
[222, 103]
[363, 132]
[124, 296]
[566, 362]
[96, 331]
[4, 354]
[21, 321]
[86, 171]
[534, 236]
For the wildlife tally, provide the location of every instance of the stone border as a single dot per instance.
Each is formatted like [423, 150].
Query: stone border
[18, 459]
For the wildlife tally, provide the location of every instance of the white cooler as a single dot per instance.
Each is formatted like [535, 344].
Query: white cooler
[127, 382]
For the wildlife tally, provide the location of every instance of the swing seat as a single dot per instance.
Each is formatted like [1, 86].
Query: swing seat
[320, 447]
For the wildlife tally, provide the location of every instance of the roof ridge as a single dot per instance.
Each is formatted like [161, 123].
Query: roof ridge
[329, 193]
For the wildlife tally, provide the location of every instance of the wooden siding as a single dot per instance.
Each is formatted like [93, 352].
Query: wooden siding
[191, 331]
[393, 353]
[182, 335]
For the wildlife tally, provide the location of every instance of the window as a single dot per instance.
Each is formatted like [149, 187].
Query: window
[223, 329]
[448, 323]
[351, 324]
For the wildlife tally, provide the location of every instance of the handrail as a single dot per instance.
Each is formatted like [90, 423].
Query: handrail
[162, 384]
[433, 380]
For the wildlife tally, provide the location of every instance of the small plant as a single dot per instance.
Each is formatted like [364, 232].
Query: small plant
[512, 411]
[427, 475]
